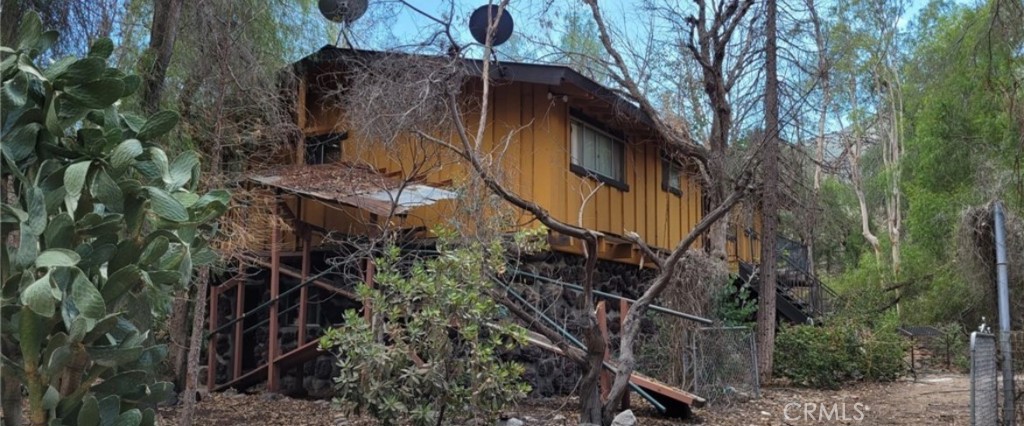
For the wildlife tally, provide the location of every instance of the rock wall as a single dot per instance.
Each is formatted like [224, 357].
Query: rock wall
[550, 374]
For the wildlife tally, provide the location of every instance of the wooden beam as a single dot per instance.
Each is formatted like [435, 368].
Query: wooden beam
[304, 291]
[602, 323]
[623, 309]
[663, 389]
[296, 274]
[211, 345]
[236, 356]
[249, 375]
[273, 375]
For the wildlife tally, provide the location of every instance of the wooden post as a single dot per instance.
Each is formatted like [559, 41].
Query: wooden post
[623, 309]
[304, 291]
[236, 356]
[275, 290]
[211, 345]
[602, 324]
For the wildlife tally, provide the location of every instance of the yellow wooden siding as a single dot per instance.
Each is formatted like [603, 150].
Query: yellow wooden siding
[535, 165]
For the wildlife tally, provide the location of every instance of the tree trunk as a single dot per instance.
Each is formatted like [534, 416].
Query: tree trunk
[195, 342]
[717, 169]
[718, 233]
[177, 325]
[162, 35]
[669, 269]
[769, 202]
[855, 147]
[590, 389]
[892, 159]
[819, 151]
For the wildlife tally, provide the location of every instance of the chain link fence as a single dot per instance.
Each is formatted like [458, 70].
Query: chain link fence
[725, 364]
[984, 380]
[716, 363]
[1017, 343]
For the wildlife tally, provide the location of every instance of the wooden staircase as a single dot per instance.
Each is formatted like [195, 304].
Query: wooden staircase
[250, 344]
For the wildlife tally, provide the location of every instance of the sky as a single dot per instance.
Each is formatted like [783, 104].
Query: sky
[390, 24]
[394, 24]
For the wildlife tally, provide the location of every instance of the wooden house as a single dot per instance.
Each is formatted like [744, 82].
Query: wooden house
[559, 138]
[553, 135]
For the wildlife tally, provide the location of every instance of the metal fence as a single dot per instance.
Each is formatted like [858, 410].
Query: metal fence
[1017, 343]
[725, 364]
[984, 380]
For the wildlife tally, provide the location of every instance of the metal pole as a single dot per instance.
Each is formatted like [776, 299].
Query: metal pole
[576, 287]
[561, 330]
[1002, 282]
[974, 377]
[273, 373]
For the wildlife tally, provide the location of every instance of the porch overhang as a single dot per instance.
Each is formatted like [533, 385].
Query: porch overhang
[356, 186]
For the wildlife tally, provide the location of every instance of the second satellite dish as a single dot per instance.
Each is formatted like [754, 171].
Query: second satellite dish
[482, 16]
[342, 11]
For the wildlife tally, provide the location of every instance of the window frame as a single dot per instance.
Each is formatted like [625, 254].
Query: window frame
[324, 148]
[666, 174]
[618, 142]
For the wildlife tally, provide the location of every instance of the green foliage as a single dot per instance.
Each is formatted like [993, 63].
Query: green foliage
[840, 351]
[734, 306]
[104, 220]
[438, 310]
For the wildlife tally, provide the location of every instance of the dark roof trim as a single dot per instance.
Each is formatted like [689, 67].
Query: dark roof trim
[551, 75]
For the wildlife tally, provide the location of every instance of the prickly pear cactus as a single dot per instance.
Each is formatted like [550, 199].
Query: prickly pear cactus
[97, 222]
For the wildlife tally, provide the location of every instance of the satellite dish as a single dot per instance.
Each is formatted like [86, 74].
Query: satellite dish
[342, 11]
[478, 22]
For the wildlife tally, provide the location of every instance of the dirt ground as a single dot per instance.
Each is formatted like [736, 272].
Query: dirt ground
[930, 400]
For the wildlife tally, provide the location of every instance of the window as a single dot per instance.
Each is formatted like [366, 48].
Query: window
[672, 177]
[597, 154]
[323, 149]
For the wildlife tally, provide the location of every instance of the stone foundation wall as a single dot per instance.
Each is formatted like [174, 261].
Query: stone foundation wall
[550, 374]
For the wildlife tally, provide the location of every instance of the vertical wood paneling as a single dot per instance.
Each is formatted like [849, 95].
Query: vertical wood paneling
[526, 138]
[629, 223]
[536, 166]
[650, 202]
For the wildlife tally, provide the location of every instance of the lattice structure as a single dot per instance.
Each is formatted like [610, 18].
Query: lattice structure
[725, 364]
[984, 380]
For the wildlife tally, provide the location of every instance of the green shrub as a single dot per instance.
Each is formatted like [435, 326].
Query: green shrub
[815, 356]
[830, 355]
[104, 223]
[733, 305]
[440, 311]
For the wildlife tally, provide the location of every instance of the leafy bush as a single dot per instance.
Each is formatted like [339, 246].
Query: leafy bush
[430, 355]
[734, 305]
[103, 221]
[827, 356]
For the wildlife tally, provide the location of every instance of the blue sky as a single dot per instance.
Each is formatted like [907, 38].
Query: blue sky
[391, 24]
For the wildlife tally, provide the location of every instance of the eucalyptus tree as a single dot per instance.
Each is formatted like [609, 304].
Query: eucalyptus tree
[868, 62]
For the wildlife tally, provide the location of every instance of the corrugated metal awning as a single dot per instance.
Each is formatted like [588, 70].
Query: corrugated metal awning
[356, 186]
